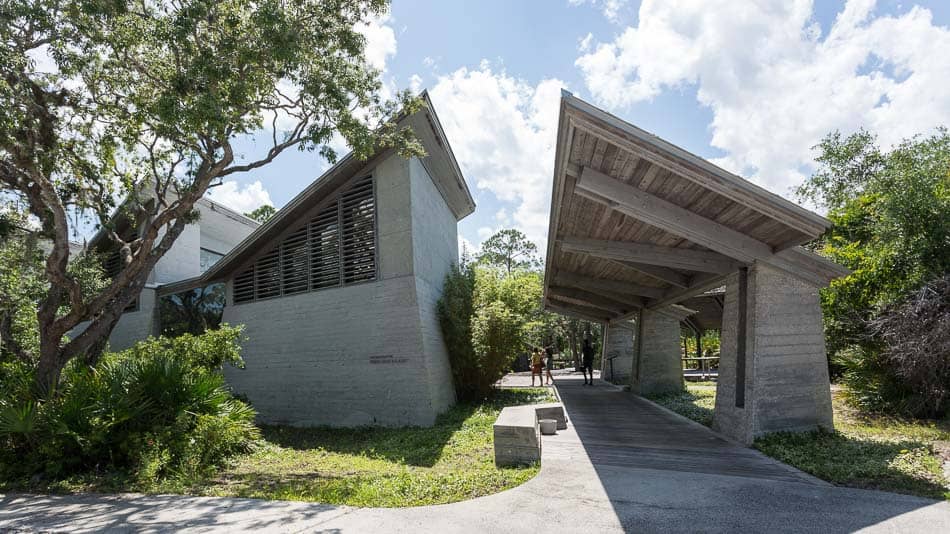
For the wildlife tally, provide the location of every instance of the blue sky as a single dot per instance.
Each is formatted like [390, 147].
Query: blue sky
[751, 86]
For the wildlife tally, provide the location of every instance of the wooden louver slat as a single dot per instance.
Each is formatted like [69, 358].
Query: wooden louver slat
[336, 247]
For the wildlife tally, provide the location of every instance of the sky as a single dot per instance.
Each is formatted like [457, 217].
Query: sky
[751, 86]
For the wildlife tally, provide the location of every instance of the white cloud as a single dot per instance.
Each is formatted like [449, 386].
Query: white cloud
[503, 129]
[774, 83]
[239, 199]
[380, 40]
[415, 83]
[612, 9]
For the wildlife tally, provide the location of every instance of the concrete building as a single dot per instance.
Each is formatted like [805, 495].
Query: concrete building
[337, 291]
[641, 230]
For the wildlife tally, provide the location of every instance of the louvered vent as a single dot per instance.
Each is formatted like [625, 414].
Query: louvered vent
[337, 247]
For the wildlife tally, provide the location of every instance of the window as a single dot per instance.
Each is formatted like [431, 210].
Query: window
[192, 311]
[209, 258]
[337, 247]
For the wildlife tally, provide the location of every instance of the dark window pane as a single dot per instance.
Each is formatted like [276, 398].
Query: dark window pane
[192, 311]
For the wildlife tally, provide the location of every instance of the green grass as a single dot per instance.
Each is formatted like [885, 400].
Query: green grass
[872, 452]
[389, 467]
[449, 462]
[697, 402]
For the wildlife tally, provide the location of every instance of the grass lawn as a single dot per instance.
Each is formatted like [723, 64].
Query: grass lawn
[873, 452]
[448, 462]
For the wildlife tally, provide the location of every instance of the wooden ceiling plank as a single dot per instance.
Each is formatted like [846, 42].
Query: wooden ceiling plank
[676, 258]
[581, 312]
[593, 300]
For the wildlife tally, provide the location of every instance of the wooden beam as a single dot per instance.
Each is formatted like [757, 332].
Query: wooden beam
[667, 216]
[604, 308]
[699, 286]
[595, 300]
[581, 312]
[676, 258]
[663, 274]
[615, 288]
[681, 222]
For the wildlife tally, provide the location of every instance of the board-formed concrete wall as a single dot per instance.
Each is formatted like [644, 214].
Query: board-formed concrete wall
[434, 251]
[620, 348]
[786, 372]
[367, 354]
[135, 325]
[659, 368]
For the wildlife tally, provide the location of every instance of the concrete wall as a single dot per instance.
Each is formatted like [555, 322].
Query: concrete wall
[619, 344]
[369, 354]
[659, 369]
[136, 325]
[182, 260]
[434, 250]
[786, 372]
[221, 228]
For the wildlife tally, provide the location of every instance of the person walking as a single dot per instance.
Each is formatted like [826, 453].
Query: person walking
[536, 366]
[549, 363]
[588, 364]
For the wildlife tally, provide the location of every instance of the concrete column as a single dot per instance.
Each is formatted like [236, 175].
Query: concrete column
[658, 369]
[619, 344]
[783, 384]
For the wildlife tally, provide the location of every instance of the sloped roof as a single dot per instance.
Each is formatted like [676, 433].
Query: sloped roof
[639, 222]
[439, 160]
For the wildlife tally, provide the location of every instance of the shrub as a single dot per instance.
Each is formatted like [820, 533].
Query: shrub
[906, 367]
[455, 310]
[158, 410]
[497, 337]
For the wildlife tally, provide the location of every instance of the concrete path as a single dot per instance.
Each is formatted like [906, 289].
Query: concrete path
[623, 464]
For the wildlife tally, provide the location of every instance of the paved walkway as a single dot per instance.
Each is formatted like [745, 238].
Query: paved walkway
[623, 464]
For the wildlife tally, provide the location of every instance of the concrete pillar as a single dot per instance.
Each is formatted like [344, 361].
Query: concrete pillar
[658, 368]
[619, 348]
[783, 384]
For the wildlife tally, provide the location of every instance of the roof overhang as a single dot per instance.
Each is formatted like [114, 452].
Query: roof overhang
[637, 222]
[439, 161]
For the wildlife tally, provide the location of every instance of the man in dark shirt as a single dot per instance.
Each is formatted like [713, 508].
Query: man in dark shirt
[588, 363]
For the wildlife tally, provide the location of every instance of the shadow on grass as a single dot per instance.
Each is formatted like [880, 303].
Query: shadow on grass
[905, 466]
[415, 446]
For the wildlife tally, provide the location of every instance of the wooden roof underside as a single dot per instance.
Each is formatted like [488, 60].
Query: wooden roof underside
[637, 222]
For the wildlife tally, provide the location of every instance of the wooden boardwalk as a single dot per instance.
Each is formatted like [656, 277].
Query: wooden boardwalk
[619, 429]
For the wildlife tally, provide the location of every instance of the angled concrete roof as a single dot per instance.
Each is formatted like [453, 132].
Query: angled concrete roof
[439, 160]
[639, 222]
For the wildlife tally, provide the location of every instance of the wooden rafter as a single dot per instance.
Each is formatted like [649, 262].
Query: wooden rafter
[681, 222]
[677, 258]
[594, 300]
[608, 288]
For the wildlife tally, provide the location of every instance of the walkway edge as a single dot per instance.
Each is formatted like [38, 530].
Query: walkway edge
[811, 479]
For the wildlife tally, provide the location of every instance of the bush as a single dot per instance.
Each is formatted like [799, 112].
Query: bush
[455, 309]
[906, 367]
[160, 409]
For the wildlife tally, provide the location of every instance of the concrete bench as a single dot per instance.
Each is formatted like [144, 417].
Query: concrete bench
[518, 434]
[552, 410]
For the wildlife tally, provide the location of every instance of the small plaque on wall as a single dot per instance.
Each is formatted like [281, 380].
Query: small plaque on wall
[387, 359]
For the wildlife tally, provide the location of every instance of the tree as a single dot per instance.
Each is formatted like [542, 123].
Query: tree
[891, 215]
[509, 249]
[125, 112]
[262, 213]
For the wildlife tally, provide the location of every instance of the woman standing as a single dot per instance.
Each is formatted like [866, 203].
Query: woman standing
[536, 366]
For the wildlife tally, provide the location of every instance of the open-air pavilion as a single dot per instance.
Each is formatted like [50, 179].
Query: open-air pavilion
[639, 227]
